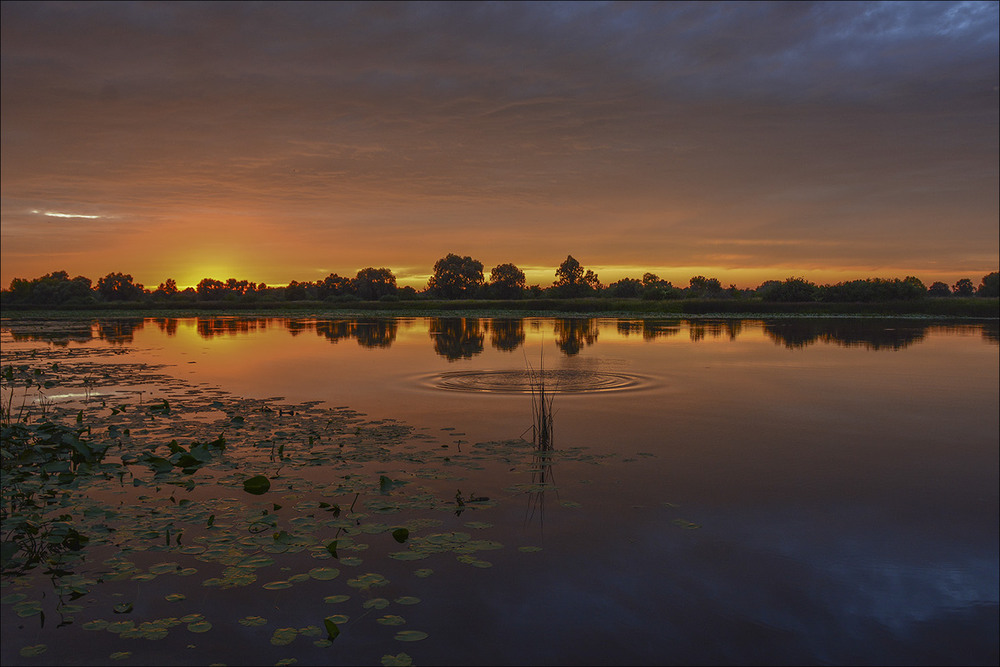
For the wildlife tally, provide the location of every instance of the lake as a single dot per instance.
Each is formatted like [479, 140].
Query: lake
[717, 491]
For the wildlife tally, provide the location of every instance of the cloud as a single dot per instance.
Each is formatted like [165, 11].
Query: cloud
[424, 122]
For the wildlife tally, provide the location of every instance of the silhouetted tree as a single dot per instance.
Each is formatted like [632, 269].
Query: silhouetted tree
[791, 290]
[167, 288]
[572, 280]
[210, 289]
[964, 287]
[456, 277]
[939, 289]
[990, 285]
[654, 288]
[118, 287]
[373, 284]
[334, 285]
[52, 288]
[626, 288]
[701, 287]
[296, 291]
[507, 281]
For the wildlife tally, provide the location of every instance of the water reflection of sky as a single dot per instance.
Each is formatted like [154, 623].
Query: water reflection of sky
[844, 475]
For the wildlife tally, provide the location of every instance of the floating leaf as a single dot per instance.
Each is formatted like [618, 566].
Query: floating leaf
[398, 660]
[277, 585]
[333, 599]
[199, 626]
[251, 621]
[164, 568]
[391, 619]
[400, 535]
[685, 524]
[324, 573]
[28, 608]
[284, 636]
[97, 624]
[121, 655]
[424, 572]
[123, 608]
[332, 631]
[529, 549]
[410, 636]
[32, 651]
[257, 485]
[407, 599]
[175, 597]
[366, 581]
[376, 603]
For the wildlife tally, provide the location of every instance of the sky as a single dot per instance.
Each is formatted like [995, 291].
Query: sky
[286, 141]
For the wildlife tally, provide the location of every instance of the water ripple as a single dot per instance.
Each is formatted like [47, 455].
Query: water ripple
[561, 381]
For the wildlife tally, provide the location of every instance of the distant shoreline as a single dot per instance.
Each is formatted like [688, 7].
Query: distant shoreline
[946, 307]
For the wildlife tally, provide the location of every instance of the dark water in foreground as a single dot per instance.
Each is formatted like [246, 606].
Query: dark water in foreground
[740, 491]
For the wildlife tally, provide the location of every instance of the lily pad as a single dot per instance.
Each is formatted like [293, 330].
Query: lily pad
[31, 651]
[324, 573]
[257, 485]
[410, 636]
[391, 619]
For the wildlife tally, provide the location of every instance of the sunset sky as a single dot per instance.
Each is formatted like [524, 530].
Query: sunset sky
[284, 141]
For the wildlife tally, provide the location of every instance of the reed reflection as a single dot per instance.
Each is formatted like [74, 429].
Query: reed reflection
[543, 444]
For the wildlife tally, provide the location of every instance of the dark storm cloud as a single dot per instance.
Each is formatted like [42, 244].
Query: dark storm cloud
[714, 120]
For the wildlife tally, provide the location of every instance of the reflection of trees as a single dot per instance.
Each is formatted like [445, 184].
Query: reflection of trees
[572, 335]
[649, 329]
[375, 333]
[118, 332]
[872, 335]
[699, 329]
[167, 325]
[335, 330]
[456, 337]
[991, 332]
[507, 335]
[68, 332]
[209, 327]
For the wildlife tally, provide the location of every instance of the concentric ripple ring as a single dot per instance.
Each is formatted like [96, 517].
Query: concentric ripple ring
[562, 381]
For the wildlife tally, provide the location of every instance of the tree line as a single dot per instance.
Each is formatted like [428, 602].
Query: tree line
[462, 277]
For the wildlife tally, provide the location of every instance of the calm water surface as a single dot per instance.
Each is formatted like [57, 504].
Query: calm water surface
[786, 491]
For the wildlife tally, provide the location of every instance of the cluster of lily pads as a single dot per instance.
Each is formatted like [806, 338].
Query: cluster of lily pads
[99, 487]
